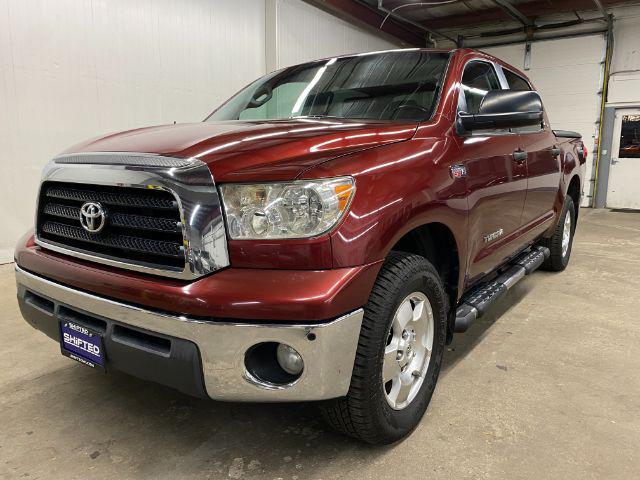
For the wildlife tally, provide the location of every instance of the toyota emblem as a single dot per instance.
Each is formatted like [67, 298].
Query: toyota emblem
[92, 217]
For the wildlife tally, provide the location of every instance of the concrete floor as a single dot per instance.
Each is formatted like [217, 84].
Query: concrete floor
[546, 386]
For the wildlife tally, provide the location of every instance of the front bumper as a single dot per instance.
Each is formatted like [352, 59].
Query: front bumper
[203, 357]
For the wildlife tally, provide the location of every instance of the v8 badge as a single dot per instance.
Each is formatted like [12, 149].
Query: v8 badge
[458, 171]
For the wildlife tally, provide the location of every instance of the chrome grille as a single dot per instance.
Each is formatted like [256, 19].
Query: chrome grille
[163, 214]
[118, 219]
[117, 197]
[142, 225]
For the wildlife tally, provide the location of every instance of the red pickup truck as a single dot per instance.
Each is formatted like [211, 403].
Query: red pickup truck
[319, 237]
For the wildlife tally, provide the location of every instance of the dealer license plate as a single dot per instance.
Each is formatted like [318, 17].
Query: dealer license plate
[81, 344]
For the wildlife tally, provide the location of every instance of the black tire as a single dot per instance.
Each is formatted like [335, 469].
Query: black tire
[558, 260]
[365, 413]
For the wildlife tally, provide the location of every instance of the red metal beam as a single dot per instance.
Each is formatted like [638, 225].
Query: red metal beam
[530, 9]
[358, 13]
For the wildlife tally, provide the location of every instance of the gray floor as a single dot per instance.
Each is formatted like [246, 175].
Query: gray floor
[547, 386]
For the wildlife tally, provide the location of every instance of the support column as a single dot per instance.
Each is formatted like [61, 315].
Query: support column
[271, 35]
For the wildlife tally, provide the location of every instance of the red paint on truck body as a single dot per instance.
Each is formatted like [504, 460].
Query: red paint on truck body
[233, 293]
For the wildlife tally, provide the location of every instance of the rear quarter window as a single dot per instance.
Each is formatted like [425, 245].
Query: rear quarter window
[478, 79]
[516, 82]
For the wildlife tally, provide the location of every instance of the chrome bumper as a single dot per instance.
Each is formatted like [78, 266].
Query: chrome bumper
[328, 358]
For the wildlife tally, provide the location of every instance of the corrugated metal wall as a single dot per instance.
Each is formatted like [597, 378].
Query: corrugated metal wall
[568, 74]
[75, 69]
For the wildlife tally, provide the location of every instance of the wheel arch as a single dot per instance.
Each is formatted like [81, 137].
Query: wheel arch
[437, 243]
[573, 191]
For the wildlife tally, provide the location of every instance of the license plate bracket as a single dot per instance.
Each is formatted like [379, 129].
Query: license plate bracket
[82, 344]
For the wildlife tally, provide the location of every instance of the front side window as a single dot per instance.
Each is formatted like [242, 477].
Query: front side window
[478, 79]
[516, 82]
[394, 85]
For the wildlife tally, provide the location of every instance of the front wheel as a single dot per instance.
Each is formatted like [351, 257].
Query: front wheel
[399, 353]
[560, 243]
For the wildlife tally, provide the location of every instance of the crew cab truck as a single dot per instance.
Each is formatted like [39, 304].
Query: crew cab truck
[319, 237]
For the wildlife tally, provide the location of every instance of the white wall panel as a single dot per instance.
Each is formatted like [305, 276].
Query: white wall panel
[74, 69]
[305, 32]
[567, 72]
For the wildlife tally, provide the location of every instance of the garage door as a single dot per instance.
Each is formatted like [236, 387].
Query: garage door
[568, 73]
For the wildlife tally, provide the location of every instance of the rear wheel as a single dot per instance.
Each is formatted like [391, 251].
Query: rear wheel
[399, 353]
[560, 243]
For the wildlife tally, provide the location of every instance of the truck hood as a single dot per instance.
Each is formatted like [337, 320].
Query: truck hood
[255, 150]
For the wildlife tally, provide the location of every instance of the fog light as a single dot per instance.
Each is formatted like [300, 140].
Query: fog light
[289, 359]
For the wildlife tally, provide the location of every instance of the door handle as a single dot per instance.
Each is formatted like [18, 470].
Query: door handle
[519, 156]
[555, 151]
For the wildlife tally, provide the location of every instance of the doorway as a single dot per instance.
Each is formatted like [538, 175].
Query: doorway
[623, 190]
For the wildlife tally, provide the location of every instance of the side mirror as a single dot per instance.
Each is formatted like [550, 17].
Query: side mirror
[505, 109]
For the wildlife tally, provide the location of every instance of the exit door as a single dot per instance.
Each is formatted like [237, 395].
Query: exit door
[623, 190]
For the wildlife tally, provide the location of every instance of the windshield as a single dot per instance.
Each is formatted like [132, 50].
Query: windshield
[394, 85]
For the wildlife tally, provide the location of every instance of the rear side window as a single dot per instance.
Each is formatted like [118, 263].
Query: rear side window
[516, 82]
[478, 79]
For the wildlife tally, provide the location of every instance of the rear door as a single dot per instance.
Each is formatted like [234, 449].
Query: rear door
[624, 173]
[543, 168]
[495, 180]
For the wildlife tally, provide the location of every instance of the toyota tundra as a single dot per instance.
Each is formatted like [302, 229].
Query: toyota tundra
[319, 237]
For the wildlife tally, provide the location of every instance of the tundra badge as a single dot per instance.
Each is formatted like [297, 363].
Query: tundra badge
[492, 236]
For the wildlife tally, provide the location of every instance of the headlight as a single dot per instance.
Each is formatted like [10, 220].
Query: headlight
[297, 209]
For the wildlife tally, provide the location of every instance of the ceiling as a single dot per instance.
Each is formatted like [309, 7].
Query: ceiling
[476, 22]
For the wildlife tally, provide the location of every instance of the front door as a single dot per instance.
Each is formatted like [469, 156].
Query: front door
[497, 185]
[623, 190]
[496, 176]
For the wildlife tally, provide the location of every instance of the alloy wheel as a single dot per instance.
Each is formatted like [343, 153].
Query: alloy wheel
[566, 234]
[408, 351]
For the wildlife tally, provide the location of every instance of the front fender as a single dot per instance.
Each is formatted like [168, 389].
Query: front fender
[398, 188]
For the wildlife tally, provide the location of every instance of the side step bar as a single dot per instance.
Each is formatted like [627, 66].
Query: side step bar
[476, 303]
